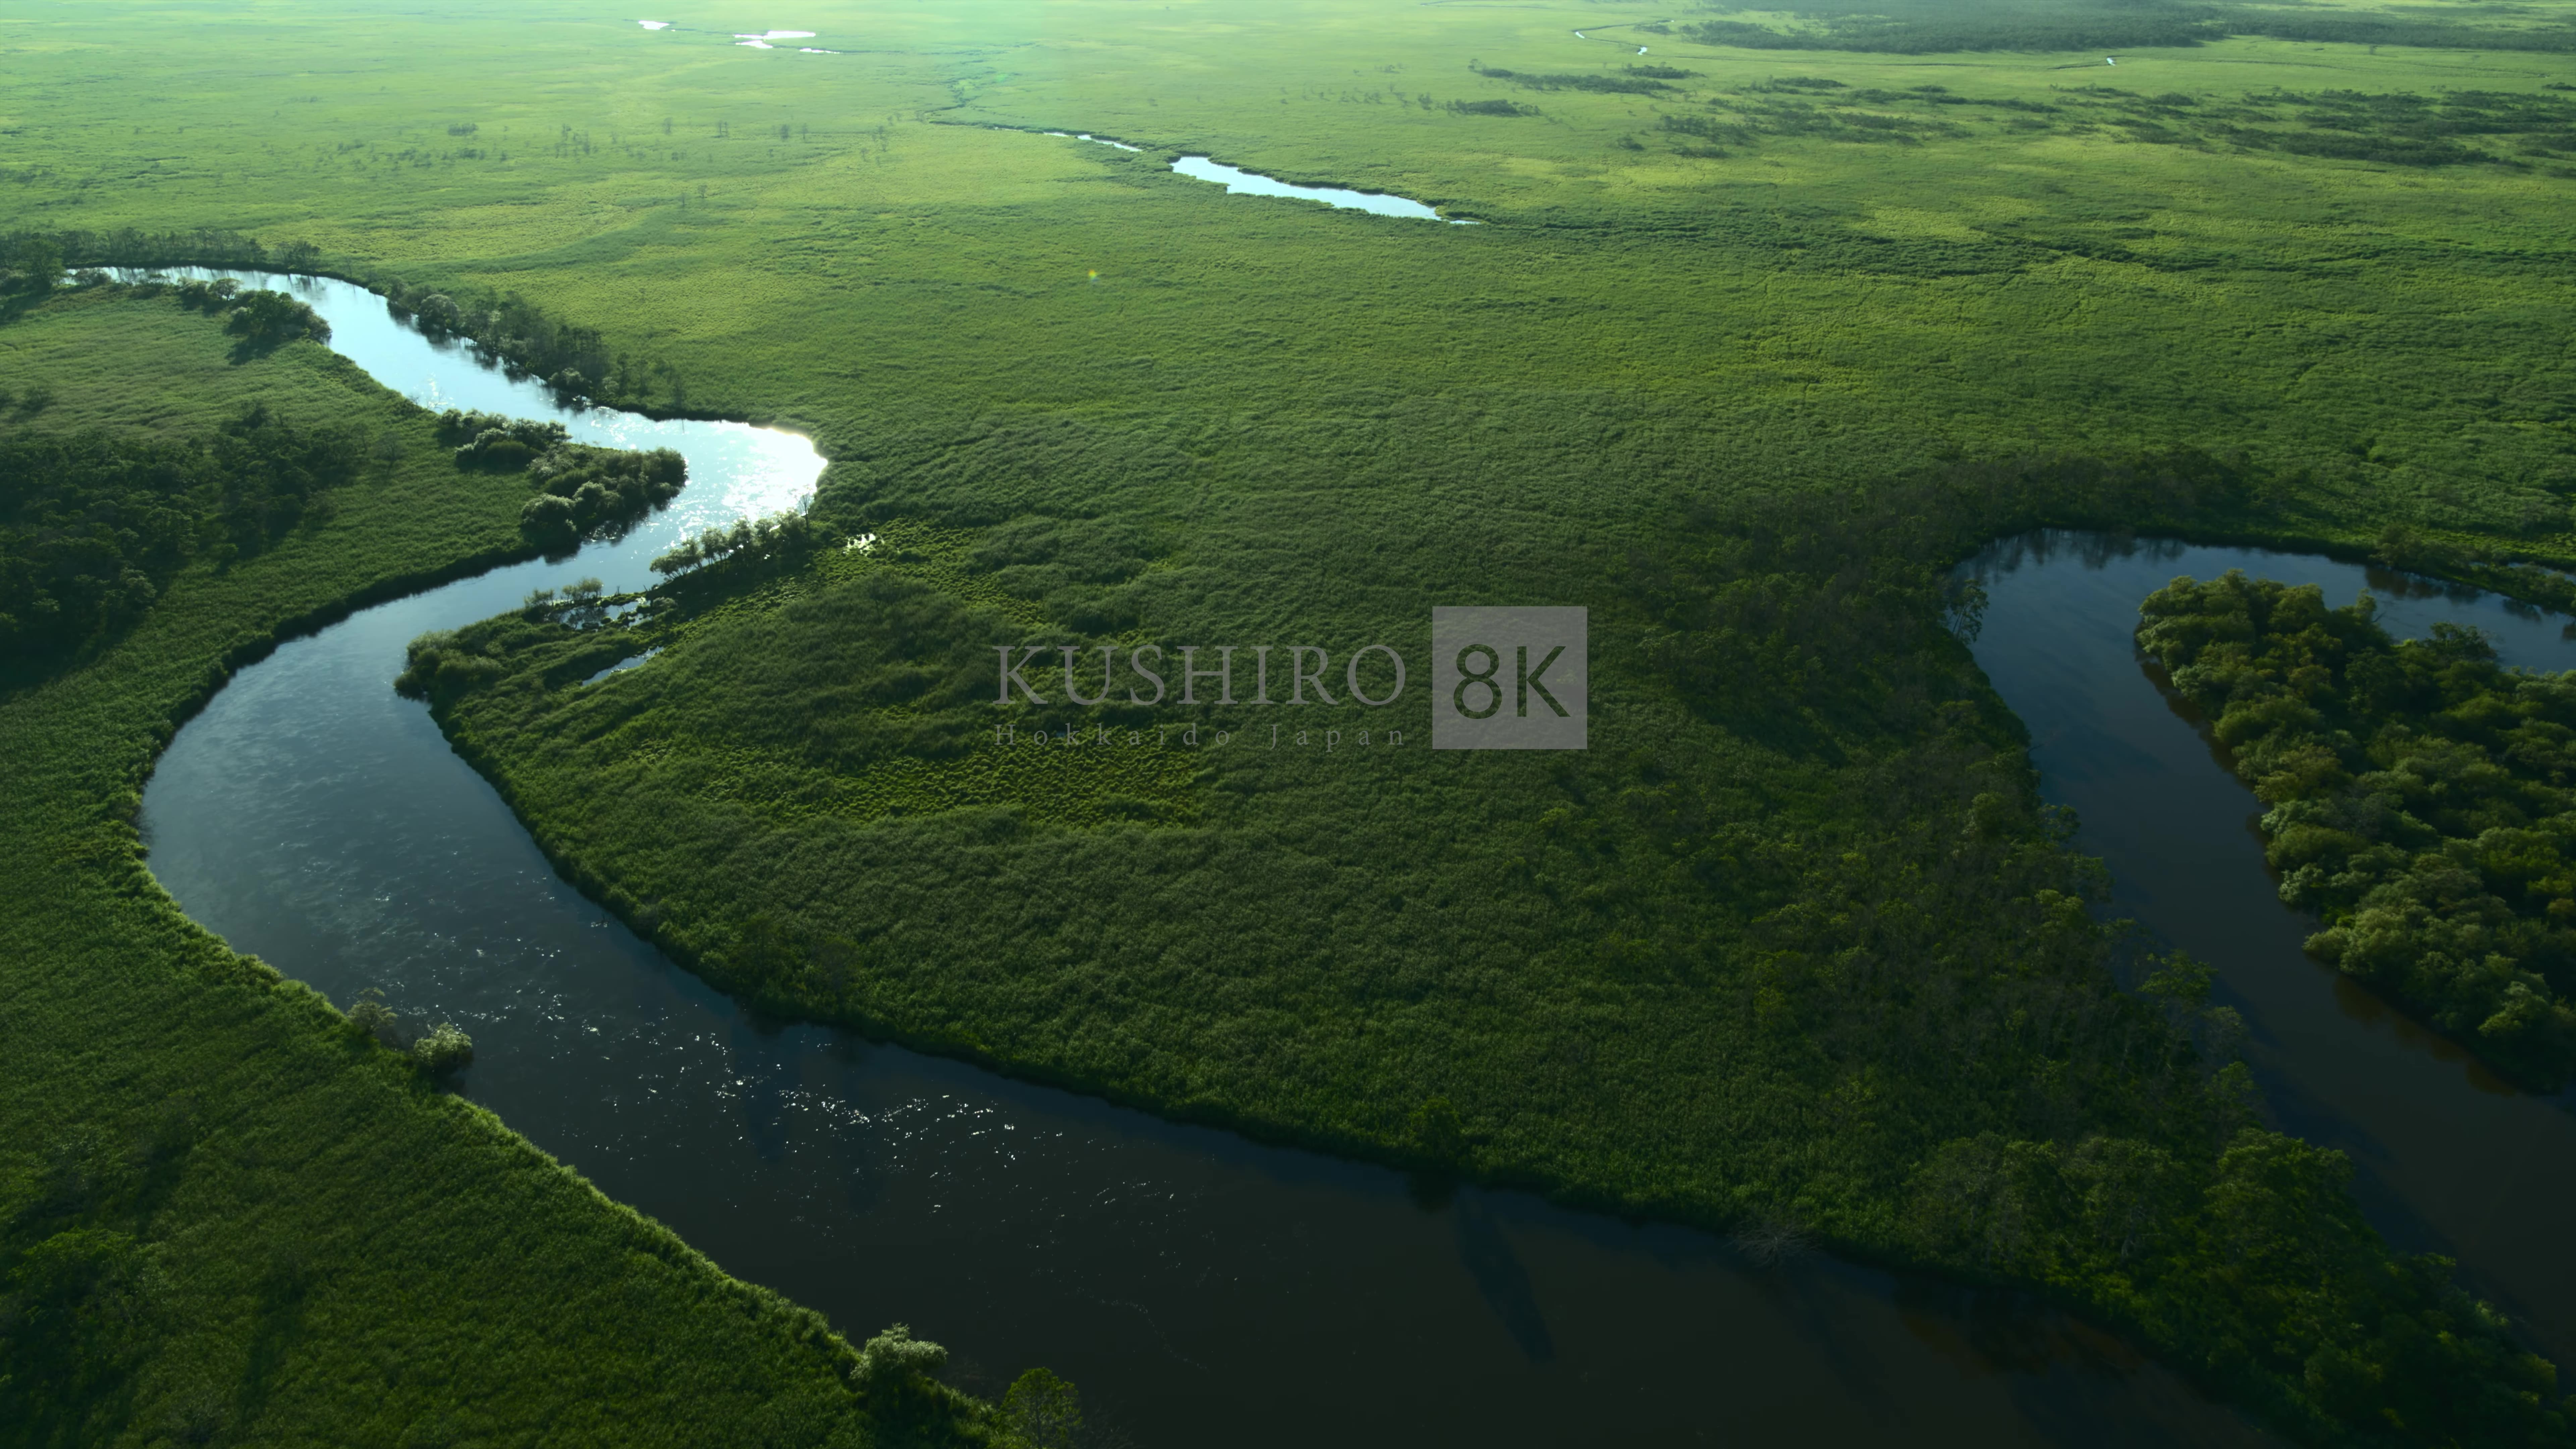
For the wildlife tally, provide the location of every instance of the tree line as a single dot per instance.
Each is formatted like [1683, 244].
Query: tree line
[507, 328]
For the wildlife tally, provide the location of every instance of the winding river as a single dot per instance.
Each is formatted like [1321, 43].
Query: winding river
[2451, 1159]
[1198, 1286]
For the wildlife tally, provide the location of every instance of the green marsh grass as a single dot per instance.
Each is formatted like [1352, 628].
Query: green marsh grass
[226, 1215]
[1719, 968]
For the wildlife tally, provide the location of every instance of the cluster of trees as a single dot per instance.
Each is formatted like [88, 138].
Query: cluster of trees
[2389, 30]
[497, 440]
[777, 536]
[30, 264]
[2421, 798]
[579, 487]
[2392, 129]
[261, 319]
[586, 488]
[93, 525]
[200, 246]
[574, 361]
[442, 1051]
[1492, 108]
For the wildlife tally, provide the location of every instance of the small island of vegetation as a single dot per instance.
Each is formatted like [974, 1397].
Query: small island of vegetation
[2419, 795]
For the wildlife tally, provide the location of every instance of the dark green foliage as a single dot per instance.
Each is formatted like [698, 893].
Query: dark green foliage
[777, 537]
[261, 319]
[442, 1051]
[2391, 30]
[2421, 798]
[1924, 27]
[2403, 130]
[1044, 1410]
[226, 1214]
[512, 331]
[93, 526]
[581, 489]
[200, 246]
[1635, 83]
[266, 319]
[1492, 108]
[2391, 129]
[586, 489]
[494, 440]
[30, 264]
[1815, 858]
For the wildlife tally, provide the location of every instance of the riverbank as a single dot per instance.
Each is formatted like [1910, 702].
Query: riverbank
[304, 1241]
[1857, 909]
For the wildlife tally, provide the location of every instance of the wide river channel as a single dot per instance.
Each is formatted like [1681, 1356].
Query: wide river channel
[1203, 1288]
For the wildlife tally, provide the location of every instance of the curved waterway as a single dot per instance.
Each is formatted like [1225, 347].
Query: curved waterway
[2451, 1159]
[1238, 181]
[1199, 1287]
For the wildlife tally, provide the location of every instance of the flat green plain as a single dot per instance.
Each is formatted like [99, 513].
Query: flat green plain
[1740, 360]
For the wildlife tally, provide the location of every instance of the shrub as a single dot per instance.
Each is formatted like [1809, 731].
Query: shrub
[548, 523]
[1043, 1409]
[895, 1360]
[372, 1017]
[781, 535]
[445, 1051]
[268, 319]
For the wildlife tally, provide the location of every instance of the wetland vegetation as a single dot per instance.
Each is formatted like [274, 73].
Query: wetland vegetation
[1762, 335]
[2417, 800]
[228, 1213]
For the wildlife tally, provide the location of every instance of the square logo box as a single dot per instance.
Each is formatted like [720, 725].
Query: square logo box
[1508, 679]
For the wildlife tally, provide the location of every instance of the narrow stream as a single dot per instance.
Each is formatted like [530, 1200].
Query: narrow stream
[1198, 1287]
[2451, 1159]
[1238, 181]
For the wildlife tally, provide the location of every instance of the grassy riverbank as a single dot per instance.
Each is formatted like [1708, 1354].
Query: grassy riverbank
[1791, 947]
[224, 1215]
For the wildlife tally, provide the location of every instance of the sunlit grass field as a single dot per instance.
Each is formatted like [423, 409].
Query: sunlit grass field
[1791, 946]
[1813, 304]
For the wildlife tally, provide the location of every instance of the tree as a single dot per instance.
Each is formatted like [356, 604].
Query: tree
[267, 319]
[1043, 1409]
[38, 264]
